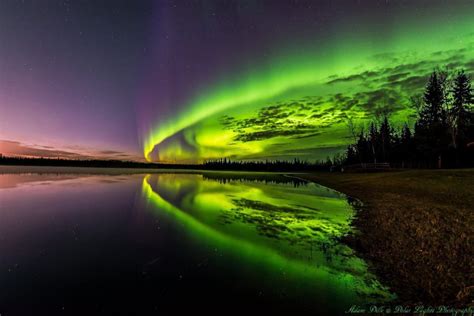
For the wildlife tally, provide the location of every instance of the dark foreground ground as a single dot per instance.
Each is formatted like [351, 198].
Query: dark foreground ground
[417, 229]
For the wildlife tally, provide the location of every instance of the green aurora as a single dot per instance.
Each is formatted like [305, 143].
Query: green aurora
[297, 103]
[273, 228]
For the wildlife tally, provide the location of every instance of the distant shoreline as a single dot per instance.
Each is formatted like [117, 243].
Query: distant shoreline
[224, 164]
[116, 171]
[93, 163]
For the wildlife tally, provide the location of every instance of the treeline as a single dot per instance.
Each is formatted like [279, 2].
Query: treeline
[218, 164]
[93, 163]
[442, 137]
[294, 165]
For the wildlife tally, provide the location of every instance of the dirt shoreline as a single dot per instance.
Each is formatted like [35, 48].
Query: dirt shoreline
[416, 228]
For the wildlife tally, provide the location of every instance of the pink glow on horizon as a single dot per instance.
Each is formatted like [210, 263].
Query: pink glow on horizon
[17, 149]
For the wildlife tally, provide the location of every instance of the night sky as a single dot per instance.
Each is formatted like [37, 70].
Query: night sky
[184, 81]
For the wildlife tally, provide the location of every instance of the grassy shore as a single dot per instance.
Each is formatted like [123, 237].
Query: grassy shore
[416, 228]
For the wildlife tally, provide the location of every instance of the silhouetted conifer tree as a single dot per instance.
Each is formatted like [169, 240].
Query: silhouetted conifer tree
[386, 139]
[460, 112]
[431, 128]
[374, 141]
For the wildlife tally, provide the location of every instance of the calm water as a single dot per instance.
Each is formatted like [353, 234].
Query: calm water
[168, 242]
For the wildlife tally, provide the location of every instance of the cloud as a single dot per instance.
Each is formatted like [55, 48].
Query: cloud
[409, 84]
[280, 120]
[366, 75]
[398, 76]
[15, 148]
[110, 152]
[267, 134]
[380, 102]
[422, 65]
[469, 65]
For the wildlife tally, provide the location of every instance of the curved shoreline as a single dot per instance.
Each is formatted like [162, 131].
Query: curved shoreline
[416, 228]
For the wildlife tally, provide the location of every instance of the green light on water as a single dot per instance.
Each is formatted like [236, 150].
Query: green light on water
[267, 227]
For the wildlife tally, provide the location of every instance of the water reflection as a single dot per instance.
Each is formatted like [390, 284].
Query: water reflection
[225, 177]
[258, 218]
[166, 242]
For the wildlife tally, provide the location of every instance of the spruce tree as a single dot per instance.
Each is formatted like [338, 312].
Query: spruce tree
[406, 144]
[432, 111]
[406, 134]
[374, 141]
[386, 137]
[460, 112]
[362, 147]
[431, 128]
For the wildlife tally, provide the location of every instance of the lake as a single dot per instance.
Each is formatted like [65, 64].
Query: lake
[85, 242]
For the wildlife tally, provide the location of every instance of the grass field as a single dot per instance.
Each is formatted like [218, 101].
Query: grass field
[416, 228]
